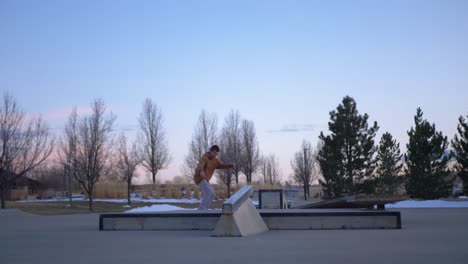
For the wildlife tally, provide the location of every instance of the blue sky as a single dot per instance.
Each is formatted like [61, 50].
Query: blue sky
[282, 64]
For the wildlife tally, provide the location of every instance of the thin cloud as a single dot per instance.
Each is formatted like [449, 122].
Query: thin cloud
[292, 128]
[128, 128]
[65, 113]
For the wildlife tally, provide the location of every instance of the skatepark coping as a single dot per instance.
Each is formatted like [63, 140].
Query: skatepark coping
[231, 205]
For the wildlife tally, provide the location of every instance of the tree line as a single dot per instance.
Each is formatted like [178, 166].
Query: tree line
[346, 161]
[88, 149]
[239, 145]
[351, 162]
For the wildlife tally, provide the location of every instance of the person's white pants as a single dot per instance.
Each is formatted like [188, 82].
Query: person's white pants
[207, 195]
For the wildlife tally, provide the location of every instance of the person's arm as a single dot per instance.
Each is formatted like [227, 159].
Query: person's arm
[201, 168]
[222, 165]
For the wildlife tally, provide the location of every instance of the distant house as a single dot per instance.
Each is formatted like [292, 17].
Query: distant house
[24, 186]
[32, 185]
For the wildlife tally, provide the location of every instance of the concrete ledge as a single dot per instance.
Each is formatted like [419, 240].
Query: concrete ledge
[330, 219]
[237, 200]
[172, 220]
[354, 201]
[240, 217]
[296, 219]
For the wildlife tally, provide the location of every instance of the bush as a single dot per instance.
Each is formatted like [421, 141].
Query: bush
[110, 190]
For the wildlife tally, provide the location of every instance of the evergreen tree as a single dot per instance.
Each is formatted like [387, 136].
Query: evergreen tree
[388, 165]
[426, 161]
[333, 182]
[346, 157]
[460, 144]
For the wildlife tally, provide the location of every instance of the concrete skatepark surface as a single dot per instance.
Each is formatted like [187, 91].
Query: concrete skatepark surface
[427, 236]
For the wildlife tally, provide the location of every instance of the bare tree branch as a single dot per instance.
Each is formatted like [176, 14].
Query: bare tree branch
[68, 151]
[249, 155]
[226, 176]
[231, 138]
[305, 167]
[230, 149]
[94, 147]
[204, 136]
[269, 169]
[128, 160]
[24, 145]
[154, 149]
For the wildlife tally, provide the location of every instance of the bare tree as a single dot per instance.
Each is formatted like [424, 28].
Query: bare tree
[128, 160]
[226, 176]
[24, 145]
[68, 151]
[231, 138]
[230, 149]
[269, 169]
[49, 174]
[204, 136]
[250, 157]
[305, 167]
[94, 147]
[154, 149]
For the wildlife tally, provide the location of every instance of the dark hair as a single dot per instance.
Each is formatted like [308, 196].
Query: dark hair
[215, 148]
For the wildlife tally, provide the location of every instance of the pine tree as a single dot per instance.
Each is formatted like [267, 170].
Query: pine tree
[460, 145]
[333, 182]
[346, 157]
[388, 165]
[426, 161]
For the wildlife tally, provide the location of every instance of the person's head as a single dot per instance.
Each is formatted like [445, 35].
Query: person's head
[214, 151]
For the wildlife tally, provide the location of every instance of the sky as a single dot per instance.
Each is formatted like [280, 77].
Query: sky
[282, 64]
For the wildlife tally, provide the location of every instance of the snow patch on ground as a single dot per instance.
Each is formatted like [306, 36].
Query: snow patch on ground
[157, 208]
